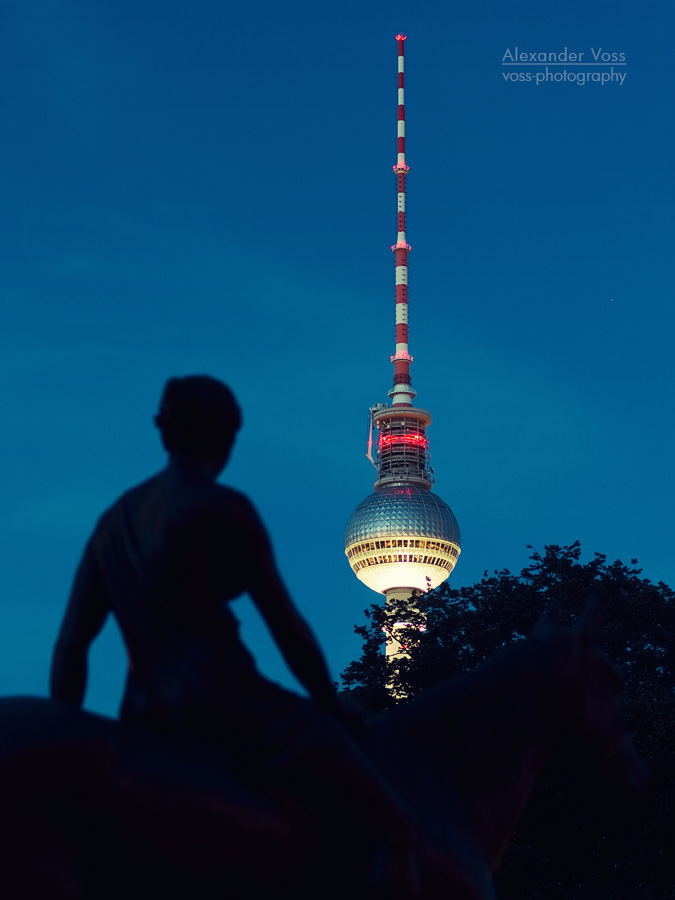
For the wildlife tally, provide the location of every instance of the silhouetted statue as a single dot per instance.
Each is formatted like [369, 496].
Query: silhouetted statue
[219, 784]
[166, 560]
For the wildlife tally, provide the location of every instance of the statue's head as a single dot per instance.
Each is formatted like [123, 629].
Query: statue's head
[199, 417]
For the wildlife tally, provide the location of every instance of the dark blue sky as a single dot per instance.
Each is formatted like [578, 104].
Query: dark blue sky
[195, 188]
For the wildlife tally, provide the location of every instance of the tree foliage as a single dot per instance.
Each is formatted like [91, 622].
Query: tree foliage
[581, 837]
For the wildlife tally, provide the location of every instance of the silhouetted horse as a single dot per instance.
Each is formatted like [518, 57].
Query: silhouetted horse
[95, 809]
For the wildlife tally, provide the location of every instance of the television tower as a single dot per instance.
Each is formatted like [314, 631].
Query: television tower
[402, 537]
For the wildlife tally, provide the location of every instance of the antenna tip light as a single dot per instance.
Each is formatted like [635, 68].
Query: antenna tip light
[400, 37]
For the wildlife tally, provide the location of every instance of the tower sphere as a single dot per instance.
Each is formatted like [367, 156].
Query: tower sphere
[402, 536]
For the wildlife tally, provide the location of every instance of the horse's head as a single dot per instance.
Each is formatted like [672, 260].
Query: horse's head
[594, 687]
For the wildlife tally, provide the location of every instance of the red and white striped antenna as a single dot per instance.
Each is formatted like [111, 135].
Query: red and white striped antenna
[402, 445]
[402, 393]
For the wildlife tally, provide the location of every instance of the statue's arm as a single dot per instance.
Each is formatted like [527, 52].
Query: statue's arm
[289, 629]
[85, 614]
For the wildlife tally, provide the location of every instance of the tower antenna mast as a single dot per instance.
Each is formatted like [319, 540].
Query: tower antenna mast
[402, 392]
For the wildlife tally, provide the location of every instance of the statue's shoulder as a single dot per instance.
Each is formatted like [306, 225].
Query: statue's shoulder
[236, 505]
[130, 502]
[134, 495]
[184, 501]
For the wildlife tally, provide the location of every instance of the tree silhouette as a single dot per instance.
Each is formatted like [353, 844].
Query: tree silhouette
[581, 836]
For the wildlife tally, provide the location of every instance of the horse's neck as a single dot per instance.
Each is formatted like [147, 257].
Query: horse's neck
[521, 693]
[493, 813]
[492, 728]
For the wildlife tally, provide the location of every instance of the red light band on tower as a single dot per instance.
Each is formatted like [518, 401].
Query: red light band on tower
[413, 440]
